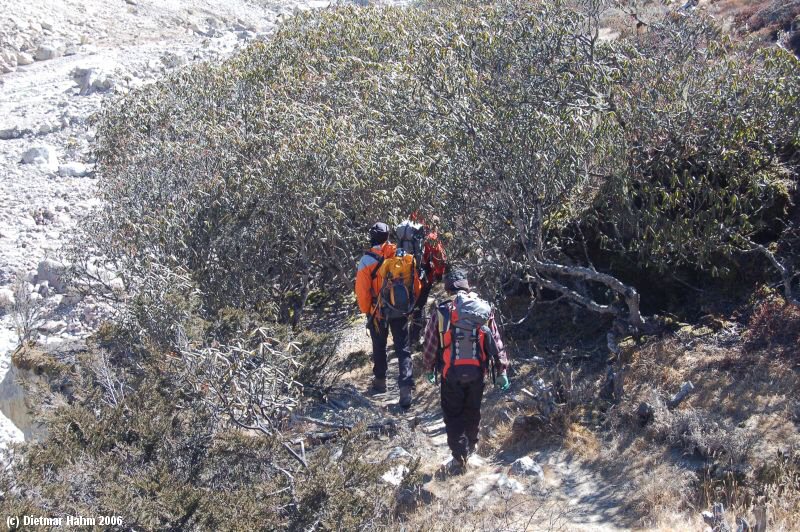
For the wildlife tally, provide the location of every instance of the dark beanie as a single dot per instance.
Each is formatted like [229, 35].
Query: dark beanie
[456, 280]
[378, 234]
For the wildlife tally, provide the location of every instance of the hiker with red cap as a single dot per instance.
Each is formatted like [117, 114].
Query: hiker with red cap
[462, 343]
[387, 288]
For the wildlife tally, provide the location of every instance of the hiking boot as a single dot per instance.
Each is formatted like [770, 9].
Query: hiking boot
[405, 396]
[455, 467]
[473, 445]
[475, 460]
[379, 385]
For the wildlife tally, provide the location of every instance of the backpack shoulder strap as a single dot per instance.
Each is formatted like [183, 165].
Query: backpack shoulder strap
[443, 320]
[379, 258]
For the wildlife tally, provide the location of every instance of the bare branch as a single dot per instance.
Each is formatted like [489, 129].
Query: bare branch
[786, 274]
[628, 293]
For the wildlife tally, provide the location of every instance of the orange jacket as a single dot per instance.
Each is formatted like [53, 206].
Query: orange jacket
[367, 288]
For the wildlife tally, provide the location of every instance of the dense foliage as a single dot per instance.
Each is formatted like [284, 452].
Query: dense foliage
[712, 134]
[512, 121]
[132, 436]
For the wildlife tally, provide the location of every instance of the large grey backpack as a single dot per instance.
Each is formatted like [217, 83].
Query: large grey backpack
[411, 238]
[470, 313]
[473, 312]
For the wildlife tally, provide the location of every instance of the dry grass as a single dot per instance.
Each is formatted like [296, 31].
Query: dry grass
[715, 446]
[720, 445]
[774, 15]
[517, 512]
[768, 21]
[775, 326]
[660, 492]
[582, 441]
[765, 19]
[27, 357]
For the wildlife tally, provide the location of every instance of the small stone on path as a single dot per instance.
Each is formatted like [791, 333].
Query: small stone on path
[397, 453]
[42, 156]
[527, 466]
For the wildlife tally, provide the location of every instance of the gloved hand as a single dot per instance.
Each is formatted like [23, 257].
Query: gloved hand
[502, 382]
[431, 377]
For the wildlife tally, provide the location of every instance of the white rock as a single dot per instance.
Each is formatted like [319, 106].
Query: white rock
[46, 25]
[6, 68]
[482, 485]
[20, 24]
[475, 460]
[92, 79]
[527, 466]
[13, 132]
[53, 272]
[48, 51]
[243, 25]
[6, 298]
[395, 475]
[116, 285]
[47, 127]
[505, 483]
[607, 34]
[72, 299]
[318, 4]
[43, 156]
[43, 288]
[8, 59]
[195, 27]
[90, 313]
[94, 312]
[173, 60]
[154, 65]
[73, 169]
[397, 453]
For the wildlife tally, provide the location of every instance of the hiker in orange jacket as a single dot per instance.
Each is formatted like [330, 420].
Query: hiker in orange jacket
[387, 298]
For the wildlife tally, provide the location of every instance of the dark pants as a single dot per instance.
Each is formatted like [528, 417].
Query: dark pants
[418, 316]
[461, 406]
[380, 335]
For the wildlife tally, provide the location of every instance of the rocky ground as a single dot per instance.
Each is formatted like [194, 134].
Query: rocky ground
[506, 486]
[59, 61]
[588, 473]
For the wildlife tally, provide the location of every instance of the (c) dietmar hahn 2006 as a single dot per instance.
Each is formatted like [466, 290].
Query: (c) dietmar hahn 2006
[15, 521]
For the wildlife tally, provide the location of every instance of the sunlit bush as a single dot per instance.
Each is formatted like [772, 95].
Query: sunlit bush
[511, 120]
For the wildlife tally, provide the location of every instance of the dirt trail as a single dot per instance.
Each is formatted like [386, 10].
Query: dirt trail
[570, 496]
